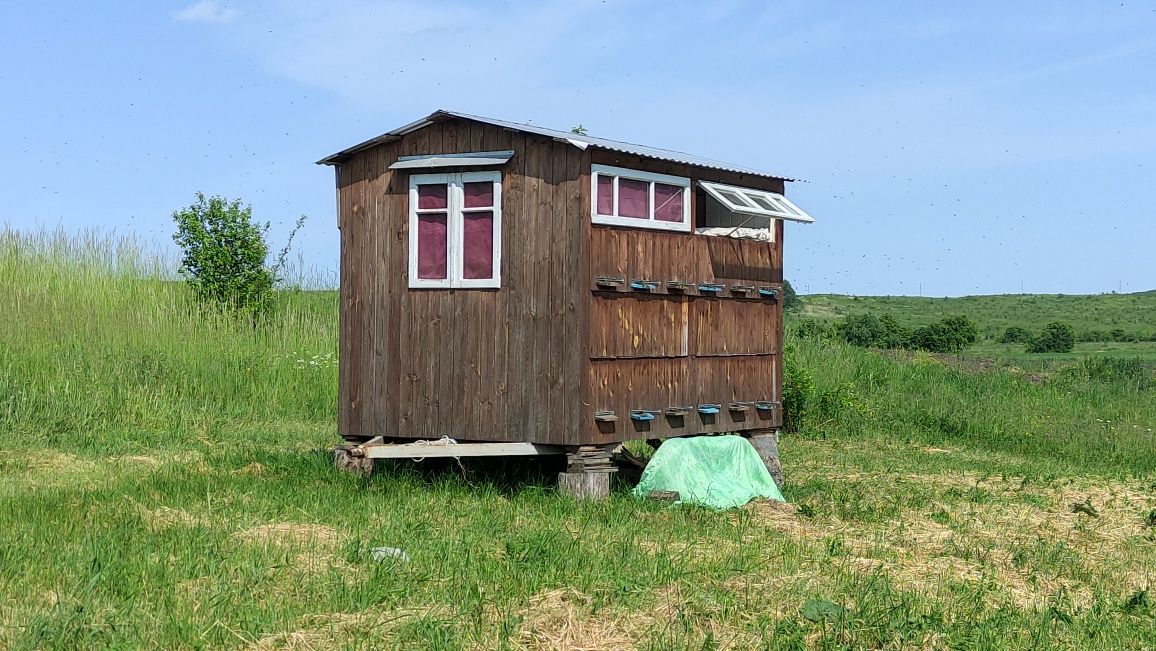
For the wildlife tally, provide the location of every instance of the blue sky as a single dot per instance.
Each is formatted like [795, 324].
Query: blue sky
[949, 148]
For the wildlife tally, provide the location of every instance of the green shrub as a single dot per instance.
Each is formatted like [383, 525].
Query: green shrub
[861, 330]
[1090, 335]
[1015, 335]
[812, 329]
[963, 329]
[1056, 337]
[867, 330]
[791, 300]
[798, 390]
[225, 252]
[950, 335]
[894, 335]
[1119, 335]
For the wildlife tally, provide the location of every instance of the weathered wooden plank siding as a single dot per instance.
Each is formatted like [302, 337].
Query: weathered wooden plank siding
[635, 254]
[643, 326]
[659, 383]
[469, 364]
[732, 343]
[733, 327]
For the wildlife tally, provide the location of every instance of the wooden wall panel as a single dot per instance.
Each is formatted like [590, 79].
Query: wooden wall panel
[745, 378]
[733, 327]
[469, 364]
[746, 261]
[623, 385]
[626, 326]
[638, 254]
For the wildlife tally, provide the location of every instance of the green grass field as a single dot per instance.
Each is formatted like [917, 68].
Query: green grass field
[165, 483]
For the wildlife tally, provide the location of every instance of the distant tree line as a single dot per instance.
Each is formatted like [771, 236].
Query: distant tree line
[1118, 335]
[949, 335]
[1021, 335]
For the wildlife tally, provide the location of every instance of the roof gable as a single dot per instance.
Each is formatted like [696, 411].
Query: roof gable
[578, 140]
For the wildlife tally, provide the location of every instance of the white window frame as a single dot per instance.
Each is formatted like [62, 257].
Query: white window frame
[634, 222]
[783, 207]
[455, 230]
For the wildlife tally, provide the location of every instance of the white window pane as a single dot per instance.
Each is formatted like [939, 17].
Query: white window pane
[605, 195]
[633, 198]
[432, 243]
[790, 207]
[478, 245]
[762, 202]
[668, 203]
[735, 198]
[478, 194]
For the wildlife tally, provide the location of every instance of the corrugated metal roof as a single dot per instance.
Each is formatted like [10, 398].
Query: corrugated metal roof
[578, 140]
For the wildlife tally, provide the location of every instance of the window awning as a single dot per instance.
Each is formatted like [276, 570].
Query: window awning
[757, 203]
[471, 159]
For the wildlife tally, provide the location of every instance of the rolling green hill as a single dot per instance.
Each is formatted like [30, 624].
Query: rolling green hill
[1131, 312]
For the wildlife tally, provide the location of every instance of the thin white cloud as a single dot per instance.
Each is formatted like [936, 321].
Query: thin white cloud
[206, 11]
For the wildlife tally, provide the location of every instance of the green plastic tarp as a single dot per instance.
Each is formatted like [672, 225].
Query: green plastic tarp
[719, 472]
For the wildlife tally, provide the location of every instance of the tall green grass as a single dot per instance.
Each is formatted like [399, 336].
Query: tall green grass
[99, 340]
[1093, 421]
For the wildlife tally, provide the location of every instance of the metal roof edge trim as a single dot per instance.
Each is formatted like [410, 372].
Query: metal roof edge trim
[578, 140]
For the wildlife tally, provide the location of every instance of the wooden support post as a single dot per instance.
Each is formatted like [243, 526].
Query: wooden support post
[588, 470]
[585, 485]
[344, 459]
[766, 443]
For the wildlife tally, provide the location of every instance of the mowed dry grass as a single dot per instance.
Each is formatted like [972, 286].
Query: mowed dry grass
[274, 555]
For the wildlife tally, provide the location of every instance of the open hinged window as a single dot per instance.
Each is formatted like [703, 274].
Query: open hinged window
[755, 203]
[455, 230]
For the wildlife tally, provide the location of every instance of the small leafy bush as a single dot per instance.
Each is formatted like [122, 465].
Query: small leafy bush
[1056, 337]
[1119, 335]
[950, 335]
[798, 391]
[791, 300]
[225, 255]
[813, 329]
[894, 335]
[1015, 335]
[861, 330]
[869, 331]
[1091, 335]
